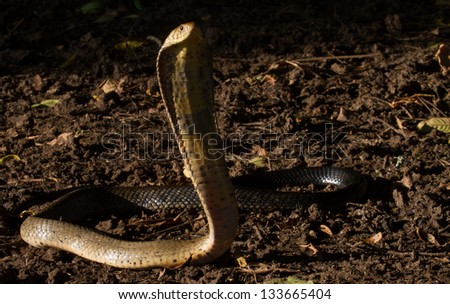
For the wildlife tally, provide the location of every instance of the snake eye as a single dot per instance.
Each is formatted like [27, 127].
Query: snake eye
[181, 27]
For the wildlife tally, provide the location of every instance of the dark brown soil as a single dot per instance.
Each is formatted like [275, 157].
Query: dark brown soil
[278, 68]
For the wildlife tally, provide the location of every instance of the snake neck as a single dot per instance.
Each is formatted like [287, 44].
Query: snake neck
[185, 77]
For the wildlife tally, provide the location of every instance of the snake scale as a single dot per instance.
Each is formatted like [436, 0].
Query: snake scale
[184, 68]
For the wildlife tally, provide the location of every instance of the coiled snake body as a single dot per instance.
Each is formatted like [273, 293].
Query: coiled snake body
[185, 78]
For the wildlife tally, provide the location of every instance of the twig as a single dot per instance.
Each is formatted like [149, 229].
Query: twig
[263, 271]
[336, 57]
[176, 227]
[296, 61]
[15, 27]
[400, 132]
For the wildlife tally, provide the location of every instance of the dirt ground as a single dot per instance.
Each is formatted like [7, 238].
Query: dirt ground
[306, 70]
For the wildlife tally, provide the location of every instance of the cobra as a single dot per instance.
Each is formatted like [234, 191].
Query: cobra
[184, 68]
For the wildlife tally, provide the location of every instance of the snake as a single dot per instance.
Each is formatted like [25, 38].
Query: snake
[184, 72]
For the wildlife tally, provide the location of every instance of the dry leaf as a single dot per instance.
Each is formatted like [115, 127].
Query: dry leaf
[420, 234]
[259, 161]
[443, 57]
[398, 199]
[310, 247]
[241, 262]
[338, 68]
[251, 81]
[161, 273]
[37, 82]
[407, 181]
[49, 103]
[426, 237]
[92, 7]
[399, 123]
[8, 157]
[374, 238]
[127, 45]
[343, 115]
[269, 79]
[108, 16]
[52, 179]
[260, 151]
[439, 123]
[444, 185]
[62, 140]
[288, 280]
[108, 86]
[326, 230]
[432, 239]
[69, 61]
[393, 24]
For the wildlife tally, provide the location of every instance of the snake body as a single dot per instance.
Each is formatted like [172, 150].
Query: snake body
[185, 78]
